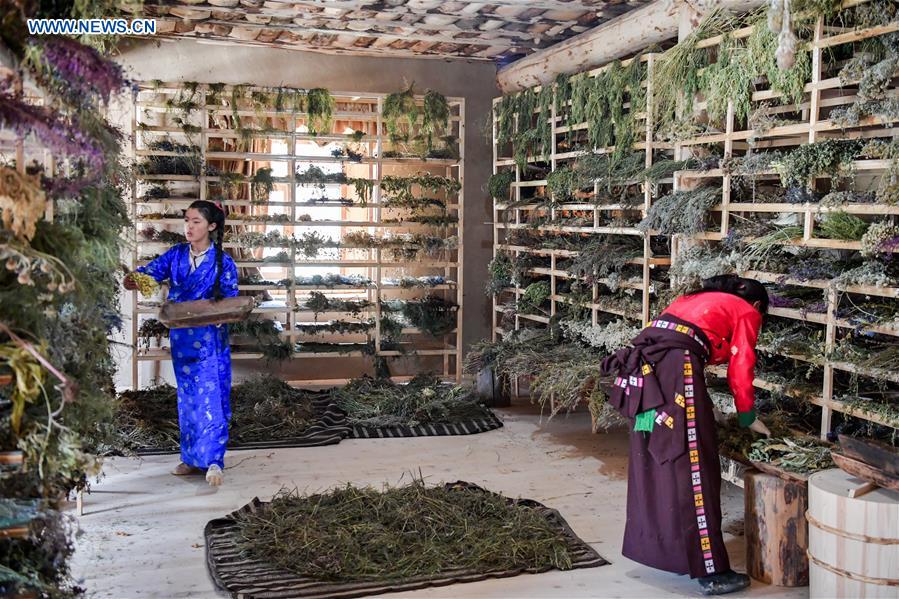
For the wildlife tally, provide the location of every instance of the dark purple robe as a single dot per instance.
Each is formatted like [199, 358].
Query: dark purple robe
[674, 474]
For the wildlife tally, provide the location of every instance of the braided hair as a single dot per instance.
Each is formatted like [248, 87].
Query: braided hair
[748, 289]
[213, 214]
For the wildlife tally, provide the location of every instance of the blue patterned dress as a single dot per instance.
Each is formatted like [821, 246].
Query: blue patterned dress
[201, 356]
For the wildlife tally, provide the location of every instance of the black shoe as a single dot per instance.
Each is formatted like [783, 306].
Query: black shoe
[723, 583]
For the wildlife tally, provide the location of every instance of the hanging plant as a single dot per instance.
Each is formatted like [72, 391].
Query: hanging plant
[830, 157]
[314, 174]
[363, 188]
[682, 212]
[186, 161]
[504, 112]
[28, 378]
[400, 113]
[400, 188]
[604, 256]
[840, 225]
[435, 116]
[319, 110]
[560, 183]
[880, 239]
[320, 303]
[214, 93]
[312, 242]
[72, 71]
[63, 136]
[337, 327]
[499, 271]
[499, 184]
[433, 315]
[22, 203]
[533, 297]
[261, 185]
[677, 74]
[563, 91]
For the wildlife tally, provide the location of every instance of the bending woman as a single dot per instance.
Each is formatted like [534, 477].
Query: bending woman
[201, 356]
[674, 474]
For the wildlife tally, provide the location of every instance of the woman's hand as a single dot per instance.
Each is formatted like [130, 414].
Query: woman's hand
[759, 427]
[130, 285]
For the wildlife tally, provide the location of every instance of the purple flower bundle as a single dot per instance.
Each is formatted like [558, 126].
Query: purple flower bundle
[779, 301]
[60, 188]
[58, 134]
[888, 246]
[80, 69]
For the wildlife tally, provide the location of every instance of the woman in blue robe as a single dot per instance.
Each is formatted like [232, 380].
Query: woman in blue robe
[201, 356]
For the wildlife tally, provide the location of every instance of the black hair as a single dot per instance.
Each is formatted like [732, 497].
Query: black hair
[214, 214]
[748, 289]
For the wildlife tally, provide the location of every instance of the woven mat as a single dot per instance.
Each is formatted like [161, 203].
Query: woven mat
[249, 578]
[330, 428]
[471, 426]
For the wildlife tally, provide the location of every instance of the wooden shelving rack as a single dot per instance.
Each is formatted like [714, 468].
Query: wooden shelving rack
[823, 93]
[289, 148]
[514, 210]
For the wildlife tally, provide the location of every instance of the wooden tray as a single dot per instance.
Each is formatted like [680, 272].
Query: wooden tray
[874, 453]
[177, 315]
[864, 471]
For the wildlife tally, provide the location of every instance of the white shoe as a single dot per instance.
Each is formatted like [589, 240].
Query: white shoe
[214, 476]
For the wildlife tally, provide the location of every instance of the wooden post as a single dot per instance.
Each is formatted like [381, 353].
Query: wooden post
[776, 530]
[460, 233]
[135, 372]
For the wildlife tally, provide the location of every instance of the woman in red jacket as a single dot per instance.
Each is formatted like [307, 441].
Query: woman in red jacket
[674, 475]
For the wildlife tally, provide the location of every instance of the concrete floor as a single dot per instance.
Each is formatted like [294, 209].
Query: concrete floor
[143, 528]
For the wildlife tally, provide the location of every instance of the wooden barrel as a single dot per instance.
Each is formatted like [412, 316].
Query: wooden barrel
[776, 530]
[853, 542]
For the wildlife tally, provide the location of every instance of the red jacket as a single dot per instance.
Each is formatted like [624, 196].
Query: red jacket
[732, 325]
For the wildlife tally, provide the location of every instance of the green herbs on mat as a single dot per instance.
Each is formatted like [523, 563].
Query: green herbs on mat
[360, 534]
[263, 409]
[423, 400]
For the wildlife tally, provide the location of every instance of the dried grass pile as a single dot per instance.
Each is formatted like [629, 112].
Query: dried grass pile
[363, 534]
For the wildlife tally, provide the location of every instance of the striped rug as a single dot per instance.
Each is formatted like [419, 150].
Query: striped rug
[248, 578]
[330, 428]
[471, 426]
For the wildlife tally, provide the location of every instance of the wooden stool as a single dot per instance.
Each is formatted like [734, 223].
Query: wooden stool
[776, 529]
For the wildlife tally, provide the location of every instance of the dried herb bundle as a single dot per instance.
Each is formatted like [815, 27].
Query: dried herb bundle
[433, 315]
[681, 212]
[354, 533]
[319, 110]
[794, 454]
[265, 337]
[605, 255]
[499, 184]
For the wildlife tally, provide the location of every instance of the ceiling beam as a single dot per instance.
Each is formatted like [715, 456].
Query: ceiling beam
[504, 33]
[301, 29]
[329, 50]
[617, 38]
[523, 4]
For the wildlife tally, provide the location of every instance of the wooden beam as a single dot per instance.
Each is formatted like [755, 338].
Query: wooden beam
[330, 50]
[308, 29]
[523, 4]
[301, 17]
[624, 35]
